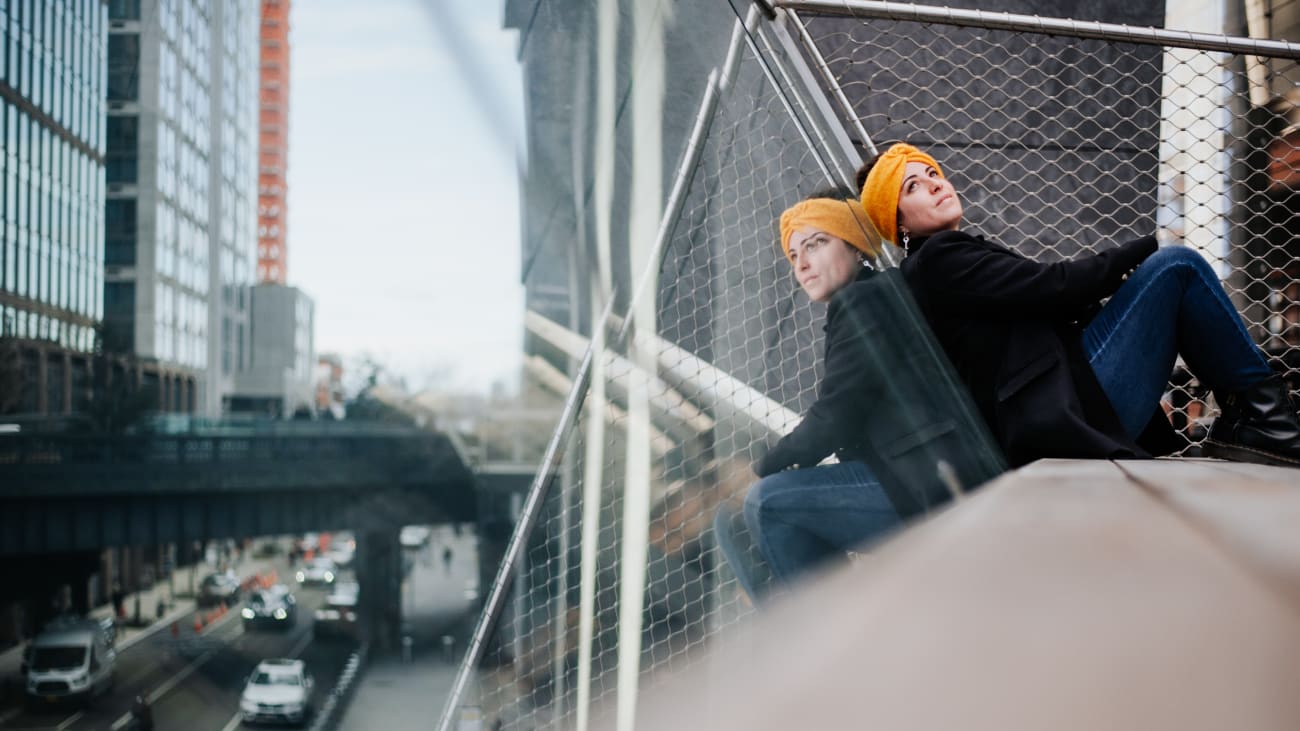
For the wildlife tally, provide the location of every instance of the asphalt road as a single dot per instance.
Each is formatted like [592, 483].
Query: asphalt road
[193, 681]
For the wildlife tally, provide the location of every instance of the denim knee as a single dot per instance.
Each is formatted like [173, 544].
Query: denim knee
[753, 507]
[1178, 256]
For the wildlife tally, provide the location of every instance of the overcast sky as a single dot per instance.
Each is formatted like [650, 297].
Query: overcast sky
[403, 196]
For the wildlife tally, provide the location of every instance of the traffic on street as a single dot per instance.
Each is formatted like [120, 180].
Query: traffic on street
[243, 648]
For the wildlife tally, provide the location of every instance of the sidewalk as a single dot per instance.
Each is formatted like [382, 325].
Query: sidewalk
[129, 633]
[396, 694]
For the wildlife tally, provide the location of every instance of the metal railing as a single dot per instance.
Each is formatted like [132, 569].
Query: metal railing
[1062, 136]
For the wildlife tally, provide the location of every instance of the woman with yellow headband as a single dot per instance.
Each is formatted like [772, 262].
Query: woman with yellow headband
[800, 514]
[1055, 373]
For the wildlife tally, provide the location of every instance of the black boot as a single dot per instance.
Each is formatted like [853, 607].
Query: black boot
[1259, 424]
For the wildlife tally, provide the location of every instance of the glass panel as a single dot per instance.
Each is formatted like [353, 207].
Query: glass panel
[120, 232]
[123, 67]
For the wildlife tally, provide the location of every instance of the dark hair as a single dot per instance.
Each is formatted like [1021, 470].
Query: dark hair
[865, 170]
[834, 192]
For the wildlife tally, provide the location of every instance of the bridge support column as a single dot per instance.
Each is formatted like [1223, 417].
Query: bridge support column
[379, 571]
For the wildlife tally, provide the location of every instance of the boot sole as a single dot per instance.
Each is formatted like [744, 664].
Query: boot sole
[1238, 453]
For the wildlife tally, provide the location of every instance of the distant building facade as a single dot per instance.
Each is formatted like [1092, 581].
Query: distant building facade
[273, 145]
[330, 396]
[179, 218]
[51, 202]
[280, 381]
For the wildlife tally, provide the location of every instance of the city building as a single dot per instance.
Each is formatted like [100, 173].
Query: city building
[179, 217]
[330, 396]
[280, 380]
[273, 145]
[51, 203]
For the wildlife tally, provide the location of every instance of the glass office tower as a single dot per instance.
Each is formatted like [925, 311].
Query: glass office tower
[179, 245]
[52, 78]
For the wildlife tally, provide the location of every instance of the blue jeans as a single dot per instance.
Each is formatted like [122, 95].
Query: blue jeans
[1171, 305]
[802, 518]
[737, 545]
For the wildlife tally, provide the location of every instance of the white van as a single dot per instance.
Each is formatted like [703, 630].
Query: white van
[72, 660]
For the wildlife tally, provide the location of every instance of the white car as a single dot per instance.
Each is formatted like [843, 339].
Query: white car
[317, 571]
[278, 690]
[414, 536]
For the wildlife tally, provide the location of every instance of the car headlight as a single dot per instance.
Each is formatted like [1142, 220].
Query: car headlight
[329, 576]
[280, 613]
[329, 614]
[247, 705]
[79, 681]
[300, 576]
[247, 613]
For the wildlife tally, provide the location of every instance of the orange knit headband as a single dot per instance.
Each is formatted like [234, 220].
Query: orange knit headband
[844, 219]
[885, 183]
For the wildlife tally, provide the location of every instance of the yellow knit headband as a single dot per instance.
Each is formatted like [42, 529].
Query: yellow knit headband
[885, 183]
[843, 219]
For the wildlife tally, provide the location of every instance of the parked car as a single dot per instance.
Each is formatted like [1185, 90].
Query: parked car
[218, 587]
[338, 618]
[414, 536]
[274, 607]
[72, 660]
[279, 690]
[341, 555]
[317, 571]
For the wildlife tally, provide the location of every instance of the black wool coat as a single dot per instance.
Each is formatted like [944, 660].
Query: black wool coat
[1011, 327]
[834, 422]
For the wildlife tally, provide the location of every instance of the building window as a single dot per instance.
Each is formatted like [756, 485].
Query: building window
[119, 232]
[120, 160]
[123, 67]
[124, 9]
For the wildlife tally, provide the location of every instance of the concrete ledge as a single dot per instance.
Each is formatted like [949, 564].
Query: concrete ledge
[1067, 595]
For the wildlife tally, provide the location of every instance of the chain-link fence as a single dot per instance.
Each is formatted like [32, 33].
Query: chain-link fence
[1061, 139]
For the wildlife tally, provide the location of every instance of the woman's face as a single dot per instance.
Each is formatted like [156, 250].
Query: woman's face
[928, 203]
[822, 263]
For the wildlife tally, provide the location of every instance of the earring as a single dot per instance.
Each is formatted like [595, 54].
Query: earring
[906, 241]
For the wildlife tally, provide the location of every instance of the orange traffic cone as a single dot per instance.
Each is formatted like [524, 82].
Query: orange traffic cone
[176, 628]
[198, 623]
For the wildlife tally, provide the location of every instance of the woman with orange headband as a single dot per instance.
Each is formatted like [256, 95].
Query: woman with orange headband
[1056, 374]
[801, 514]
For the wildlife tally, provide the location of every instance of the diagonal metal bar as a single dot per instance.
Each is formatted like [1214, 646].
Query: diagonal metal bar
[528, 518]
[881, 10]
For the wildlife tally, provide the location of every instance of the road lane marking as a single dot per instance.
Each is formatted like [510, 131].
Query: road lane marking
[171, 682]
[185, 672]
[302, 645]
[70, 720]
[146, 670]
[234, 722]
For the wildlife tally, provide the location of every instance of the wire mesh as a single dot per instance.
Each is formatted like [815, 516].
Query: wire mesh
[1063, 145]
[1058, 146]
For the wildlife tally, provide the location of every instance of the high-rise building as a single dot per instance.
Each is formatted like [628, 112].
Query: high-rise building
[51, 202]
[180, 203]
[273, 147]
[280, 380]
